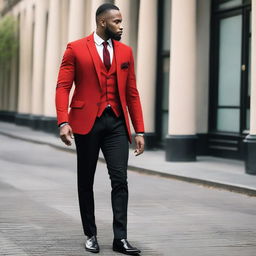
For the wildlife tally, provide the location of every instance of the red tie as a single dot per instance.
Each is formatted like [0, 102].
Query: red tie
[106, 56]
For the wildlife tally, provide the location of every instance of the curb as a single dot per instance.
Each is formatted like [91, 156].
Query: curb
[208, 183]
[215, 184]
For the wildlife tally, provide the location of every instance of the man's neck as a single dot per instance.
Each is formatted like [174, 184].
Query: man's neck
[101, 35]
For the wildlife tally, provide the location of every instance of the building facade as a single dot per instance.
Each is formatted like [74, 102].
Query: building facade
[193, 61]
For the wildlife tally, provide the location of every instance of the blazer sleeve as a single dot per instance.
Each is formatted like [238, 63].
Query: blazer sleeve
[64, 84]
[133, 99]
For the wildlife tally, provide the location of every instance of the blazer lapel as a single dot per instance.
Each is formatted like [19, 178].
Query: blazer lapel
[93, 51]
[117, 54]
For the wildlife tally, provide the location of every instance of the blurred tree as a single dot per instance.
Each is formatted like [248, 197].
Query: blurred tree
[8, 39]
[8, 50]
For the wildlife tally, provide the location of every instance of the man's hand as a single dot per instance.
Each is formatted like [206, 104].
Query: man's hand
[66, 134]
[140, 143]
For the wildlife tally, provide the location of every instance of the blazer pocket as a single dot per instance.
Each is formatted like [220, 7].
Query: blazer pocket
[77, 104]
[125, 65]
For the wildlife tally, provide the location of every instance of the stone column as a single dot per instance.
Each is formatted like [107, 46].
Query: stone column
[64, 21]
[250, 140]
[21, 61]
[181, 139]
[24, 99]
[76, 20]
[25, 61]
[147, 65]
[39, 57]
[133, 26]
[52, 62]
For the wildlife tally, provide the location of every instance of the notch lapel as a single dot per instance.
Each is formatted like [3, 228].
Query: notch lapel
[94, 54]
[117, 54]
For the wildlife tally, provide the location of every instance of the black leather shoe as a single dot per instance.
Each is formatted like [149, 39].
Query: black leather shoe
[91, 244]
[123, 246]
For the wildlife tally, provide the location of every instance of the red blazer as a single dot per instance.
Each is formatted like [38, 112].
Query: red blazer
[80, 64]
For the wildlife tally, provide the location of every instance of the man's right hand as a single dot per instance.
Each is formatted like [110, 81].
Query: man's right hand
[66, 134]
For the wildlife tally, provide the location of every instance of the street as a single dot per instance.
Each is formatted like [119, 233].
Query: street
[39, 212]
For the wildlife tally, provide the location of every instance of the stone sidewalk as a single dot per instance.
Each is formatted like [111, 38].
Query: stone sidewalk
[210, 171]
[39, 210]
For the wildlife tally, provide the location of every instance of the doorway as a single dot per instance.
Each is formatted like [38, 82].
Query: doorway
[229, 77]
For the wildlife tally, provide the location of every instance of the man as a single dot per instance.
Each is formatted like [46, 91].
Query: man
[103, 72]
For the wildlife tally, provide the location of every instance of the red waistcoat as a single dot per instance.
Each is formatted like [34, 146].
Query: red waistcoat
[109, 94]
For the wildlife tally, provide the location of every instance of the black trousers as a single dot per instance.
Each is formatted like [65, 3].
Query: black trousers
[110, 135]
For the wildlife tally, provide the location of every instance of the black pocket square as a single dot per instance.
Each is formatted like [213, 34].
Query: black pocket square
[124, 65]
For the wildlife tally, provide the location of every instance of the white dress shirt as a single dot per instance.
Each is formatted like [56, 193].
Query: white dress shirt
[99, 46]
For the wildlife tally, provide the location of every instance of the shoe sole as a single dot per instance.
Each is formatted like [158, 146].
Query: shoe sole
[93, 251]
[127, 253]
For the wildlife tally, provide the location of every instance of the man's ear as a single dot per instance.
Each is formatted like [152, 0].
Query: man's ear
[102, 22]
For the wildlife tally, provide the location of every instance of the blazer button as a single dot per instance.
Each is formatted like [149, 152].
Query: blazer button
[98, 103]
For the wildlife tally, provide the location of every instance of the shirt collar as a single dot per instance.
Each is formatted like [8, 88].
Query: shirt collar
[98, 40]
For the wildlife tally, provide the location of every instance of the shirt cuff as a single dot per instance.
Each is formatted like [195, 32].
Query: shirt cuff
[62, 124]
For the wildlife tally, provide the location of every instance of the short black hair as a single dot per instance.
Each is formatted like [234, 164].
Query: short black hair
[105, 7]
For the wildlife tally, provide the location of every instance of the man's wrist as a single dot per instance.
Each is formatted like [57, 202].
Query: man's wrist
[63, 124]
[139, 134]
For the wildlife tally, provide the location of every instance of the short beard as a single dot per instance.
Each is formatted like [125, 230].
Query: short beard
[112, 35]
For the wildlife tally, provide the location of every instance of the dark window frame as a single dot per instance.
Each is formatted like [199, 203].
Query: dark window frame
[216, 16]
[161, 54]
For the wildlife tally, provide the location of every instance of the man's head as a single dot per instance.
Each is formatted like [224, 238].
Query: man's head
[109, 19]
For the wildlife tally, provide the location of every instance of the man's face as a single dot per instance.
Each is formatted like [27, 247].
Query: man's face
[113, 25]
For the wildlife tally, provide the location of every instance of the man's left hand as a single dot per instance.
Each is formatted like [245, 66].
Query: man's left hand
[140, 143]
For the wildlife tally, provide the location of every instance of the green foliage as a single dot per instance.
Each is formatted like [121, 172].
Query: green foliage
[8, 39]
